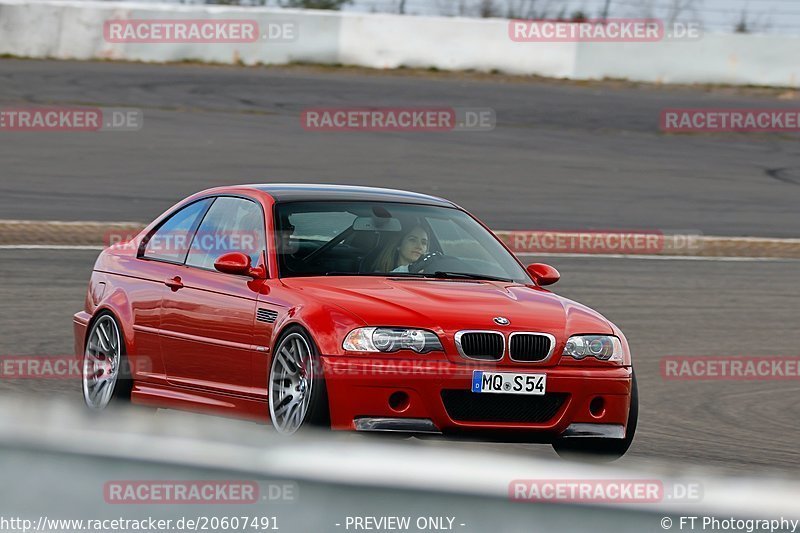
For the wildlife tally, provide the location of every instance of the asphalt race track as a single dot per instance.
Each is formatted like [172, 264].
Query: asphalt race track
[563, 156]
[665, 308]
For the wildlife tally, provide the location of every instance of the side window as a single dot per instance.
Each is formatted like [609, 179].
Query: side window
[171, 241]
[231, 225]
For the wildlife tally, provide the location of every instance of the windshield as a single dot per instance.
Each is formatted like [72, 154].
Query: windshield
[378, 238]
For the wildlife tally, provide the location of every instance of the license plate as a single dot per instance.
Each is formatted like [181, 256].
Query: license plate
[508, 383]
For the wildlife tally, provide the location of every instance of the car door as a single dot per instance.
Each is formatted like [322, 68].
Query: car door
[207, 318]
[162, 252]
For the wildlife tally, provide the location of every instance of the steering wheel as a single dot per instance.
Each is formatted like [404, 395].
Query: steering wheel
[426, 260]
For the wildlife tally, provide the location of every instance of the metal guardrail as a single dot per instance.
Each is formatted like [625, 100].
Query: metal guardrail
[50, 448]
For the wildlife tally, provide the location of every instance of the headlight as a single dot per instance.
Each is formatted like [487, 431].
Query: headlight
[602, 347]
[391, 340]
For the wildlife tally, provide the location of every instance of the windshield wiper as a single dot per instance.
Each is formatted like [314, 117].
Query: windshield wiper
[439, 274]
[335, 273]
[466, 275]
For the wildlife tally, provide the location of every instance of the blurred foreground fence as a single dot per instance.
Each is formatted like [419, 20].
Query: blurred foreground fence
[75, 30]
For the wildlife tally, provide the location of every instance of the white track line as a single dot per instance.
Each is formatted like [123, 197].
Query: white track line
[12, 221]
[659, 257]
[50, 247]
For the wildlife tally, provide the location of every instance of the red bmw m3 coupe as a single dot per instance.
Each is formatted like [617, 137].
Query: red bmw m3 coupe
[352, 308]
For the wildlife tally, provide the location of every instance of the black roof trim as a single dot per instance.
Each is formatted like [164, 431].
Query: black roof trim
[296, 192]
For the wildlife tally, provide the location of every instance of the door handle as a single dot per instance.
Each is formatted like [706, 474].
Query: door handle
[174, 283]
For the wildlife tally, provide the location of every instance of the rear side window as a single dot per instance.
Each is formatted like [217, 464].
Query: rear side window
[231, 225]
[171, 241]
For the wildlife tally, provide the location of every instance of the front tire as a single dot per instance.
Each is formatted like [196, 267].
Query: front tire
[297, 394]
[603, 450]
[105, 373]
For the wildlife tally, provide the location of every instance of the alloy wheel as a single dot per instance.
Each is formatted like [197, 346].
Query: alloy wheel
[101, 363]
[291, 383]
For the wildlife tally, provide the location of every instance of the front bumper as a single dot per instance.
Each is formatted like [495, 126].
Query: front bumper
[386, 395]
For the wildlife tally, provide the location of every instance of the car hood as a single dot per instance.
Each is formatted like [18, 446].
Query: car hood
[453, 304]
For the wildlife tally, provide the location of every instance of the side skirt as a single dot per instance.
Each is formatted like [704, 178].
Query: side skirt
[204, 402]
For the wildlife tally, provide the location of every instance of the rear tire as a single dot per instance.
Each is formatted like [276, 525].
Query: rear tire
[297, 395]
[602, 450]
[106, 378]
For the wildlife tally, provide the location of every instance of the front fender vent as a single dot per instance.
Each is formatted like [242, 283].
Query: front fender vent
[265, 315]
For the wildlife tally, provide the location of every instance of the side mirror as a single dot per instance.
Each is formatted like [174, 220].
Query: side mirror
[236, 263]
[543, 274]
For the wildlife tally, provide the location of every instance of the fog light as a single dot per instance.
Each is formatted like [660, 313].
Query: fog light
[597, 406]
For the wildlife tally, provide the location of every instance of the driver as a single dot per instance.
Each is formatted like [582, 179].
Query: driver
[403, 250]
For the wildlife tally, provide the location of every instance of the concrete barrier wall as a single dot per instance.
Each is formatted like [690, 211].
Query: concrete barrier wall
[390, 41]
[736, 59]
[74, 30]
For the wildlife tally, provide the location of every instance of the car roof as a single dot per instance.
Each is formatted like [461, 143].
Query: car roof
[297, 192]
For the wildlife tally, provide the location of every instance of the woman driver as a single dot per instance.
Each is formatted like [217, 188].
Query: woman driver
[403, 250]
